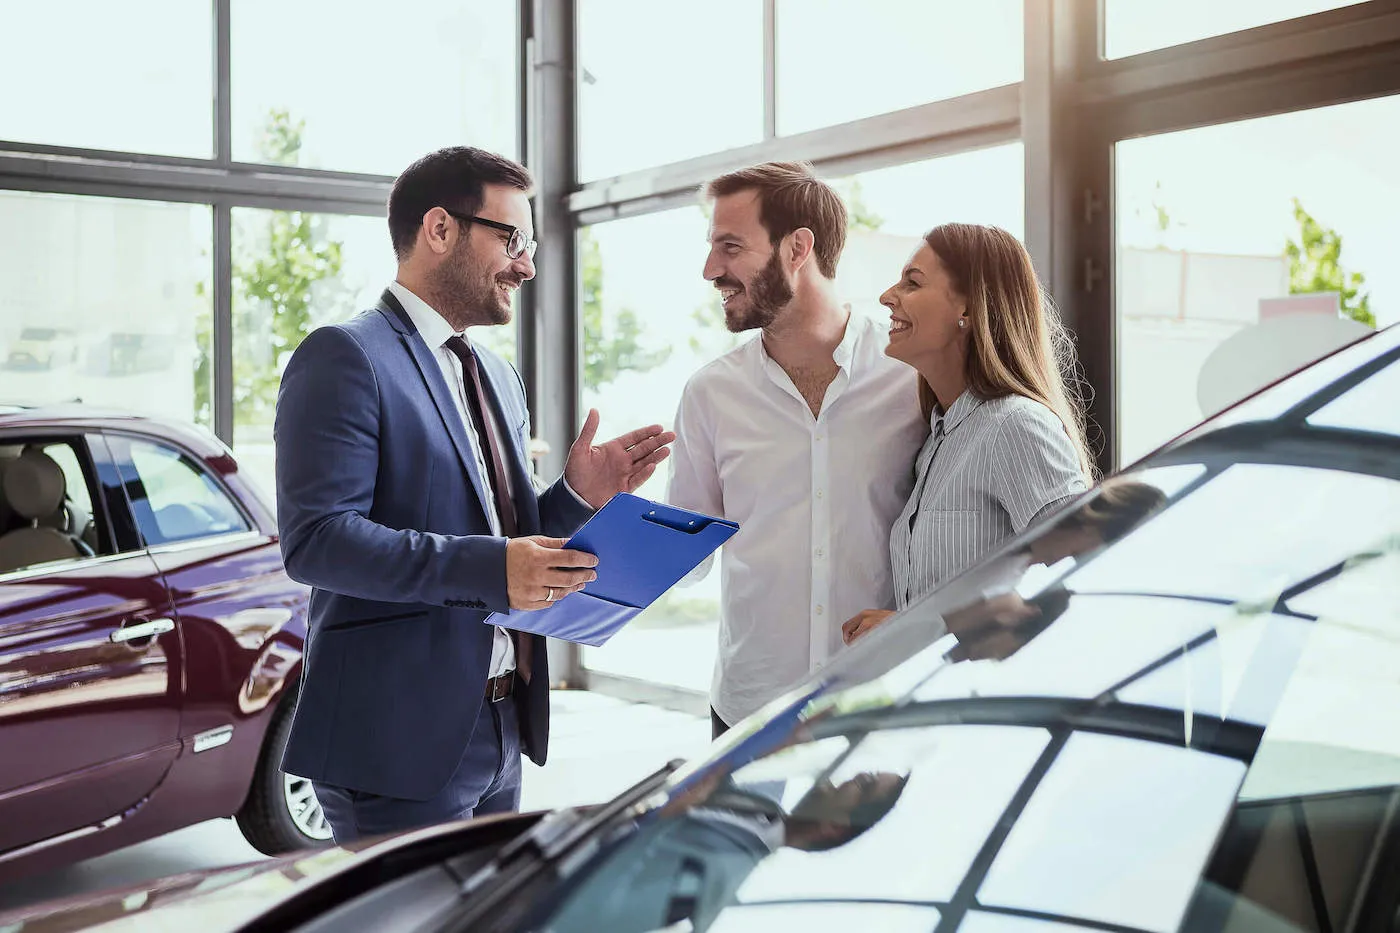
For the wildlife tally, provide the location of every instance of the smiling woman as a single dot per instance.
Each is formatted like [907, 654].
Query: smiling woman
[1007, 440]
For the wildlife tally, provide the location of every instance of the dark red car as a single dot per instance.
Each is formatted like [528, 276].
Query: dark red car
[150, 641]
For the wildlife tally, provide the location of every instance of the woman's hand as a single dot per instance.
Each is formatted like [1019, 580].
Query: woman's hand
[862, 622]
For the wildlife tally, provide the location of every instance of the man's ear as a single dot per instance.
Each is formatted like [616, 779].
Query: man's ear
[438, 230]
[801, 246]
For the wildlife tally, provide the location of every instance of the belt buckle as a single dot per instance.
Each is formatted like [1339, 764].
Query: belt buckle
[501, 686]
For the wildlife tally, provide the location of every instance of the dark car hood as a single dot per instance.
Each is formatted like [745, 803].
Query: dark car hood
[208, 901]
[226, 899]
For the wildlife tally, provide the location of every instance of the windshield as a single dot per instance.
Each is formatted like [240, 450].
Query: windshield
[1173, 705]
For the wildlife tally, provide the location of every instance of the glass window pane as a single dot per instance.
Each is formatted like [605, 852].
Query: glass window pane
[68, 528]
[1132, 26]
[351, 109]
[292, 272]
[649, 321]
[1205, 221]
[176, 500]
[96, 75]
[121, 315]
[1118, 832]
[921, 52]
[892, 208]
[648, 99]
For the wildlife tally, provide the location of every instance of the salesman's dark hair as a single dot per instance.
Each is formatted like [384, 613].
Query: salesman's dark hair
[453, 178]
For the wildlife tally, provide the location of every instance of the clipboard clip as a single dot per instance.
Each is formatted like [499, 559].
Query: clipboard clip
[675, 521]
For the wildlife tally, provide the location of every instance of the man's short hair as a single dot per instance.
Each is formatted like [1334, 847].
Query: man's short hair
[790, 196]
[454, 178]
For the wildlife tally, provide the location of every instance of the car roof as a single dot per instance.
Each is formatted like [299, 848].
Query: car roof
[78, 416]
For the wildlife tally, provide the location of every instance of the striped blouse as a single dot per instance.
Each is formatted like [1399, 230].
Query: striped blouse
[990, 467]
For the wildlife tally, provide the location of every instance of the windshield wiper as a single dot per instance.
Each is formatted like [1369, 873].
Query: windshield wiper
[516, 864]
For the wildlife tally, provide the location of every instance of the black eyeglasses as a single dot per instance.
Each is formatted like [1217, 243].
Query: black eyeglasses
[518, 244]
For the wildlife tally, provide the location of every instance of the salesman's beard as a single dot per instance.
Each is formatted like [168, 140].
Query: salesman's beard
[467, 295]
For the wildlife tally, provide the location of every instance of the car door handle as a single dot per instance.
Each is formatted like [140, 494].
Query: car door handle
[143, 630]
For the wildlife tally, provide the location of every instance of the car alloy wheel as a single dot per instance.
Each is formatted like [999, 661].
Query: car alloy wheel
[304, 808]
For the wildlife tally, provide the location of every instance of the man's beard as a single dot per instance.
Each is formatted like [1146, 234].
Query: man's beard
[466, 296]
[768, 294]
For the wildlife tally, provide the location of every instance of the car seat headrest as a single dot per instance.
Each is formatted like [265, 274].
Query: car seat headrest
[34, 485]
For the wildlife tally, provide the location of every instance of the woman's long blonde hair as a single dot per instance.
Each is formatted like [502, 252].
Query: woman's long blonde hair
[1018, 345]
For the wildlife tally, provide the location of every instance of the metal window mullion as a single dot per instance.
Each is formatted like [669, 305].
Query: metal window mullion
[549, 306]
[222, 351]
[770, 69]
[223, 94]
[946, 126]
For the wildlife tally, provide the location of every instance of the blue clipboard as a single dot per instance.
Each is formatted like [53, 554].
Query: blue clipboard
[644, 548]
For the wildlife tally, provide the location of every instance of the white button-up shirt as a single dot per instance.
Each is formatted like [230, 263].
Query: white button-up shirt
[435, 331]
[814, 498]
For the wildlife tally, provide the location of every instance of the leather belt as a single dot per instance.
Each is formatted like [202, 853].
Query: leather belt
[498, 688]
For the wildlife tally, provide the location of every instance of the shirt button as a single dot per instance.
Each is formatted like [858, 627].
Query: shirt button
[820, 610]
[819, 493]
[819, 552]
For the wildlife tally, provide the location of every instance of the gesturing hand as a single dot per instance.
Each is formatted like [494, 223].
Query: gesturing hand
[539, 571]
[598, 472]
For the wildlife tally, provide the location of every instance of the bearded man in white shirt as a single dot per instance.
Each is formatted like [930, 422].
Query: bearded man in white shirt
[806, 436]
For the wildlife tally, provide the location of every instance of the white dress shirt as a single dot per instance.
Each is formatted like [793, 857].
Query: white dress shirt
[988, 470]
[435, 331]
[814, 498]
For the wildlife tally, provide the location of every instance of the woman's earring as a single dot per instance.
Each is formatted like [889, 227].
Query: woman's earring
[962, 322]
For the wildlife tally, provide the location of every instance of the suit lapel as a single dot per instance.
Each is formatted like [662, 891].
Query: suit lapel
[437, 389]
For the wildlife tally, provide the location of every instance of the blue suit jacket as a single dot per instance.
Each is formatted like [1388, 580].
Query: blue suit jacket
[381, 511]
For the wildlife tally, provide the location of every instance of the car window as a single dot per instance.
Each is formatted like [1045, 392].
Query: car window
[46, 504]
[832, 821]
[1271, 526]
[1314, 837]
[1297, 389]
[175, 499]
[1373, 406]
[1117, 833]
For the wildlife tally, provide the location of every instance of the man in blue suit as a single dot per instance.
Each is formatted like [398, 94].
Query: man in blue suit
[405, 500]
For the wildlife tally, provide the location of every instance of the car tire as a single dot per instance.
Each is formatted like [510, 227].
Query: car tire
[281, 814]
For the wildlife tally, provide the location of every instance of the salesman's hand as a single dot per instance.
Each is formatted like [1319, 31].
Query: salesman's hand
[539, 571]
[598, 472]
[862, 622]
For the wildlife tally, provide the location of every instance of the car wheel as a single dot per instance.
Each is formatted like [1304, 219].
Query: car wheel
[281, 813]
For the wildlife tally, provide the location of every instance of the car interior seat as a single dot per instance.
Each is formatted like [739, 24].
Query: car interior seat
[33, 488]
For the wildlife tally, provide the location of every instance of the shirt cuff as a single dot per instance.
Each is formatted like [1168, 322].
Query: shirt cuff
[577, 498]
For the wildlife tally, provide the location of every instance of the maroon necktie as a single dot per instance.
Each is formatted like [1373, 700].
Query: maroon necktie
[478, 407]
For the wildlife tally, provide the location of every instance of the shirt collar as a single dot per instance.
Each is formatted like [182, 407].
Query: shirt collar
[431, 325]
[846, 349]
[856, 326]
[965, 405]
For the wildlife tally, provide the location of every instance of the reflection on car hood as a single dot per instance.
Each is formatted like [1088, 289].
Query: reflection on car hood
[208, 901]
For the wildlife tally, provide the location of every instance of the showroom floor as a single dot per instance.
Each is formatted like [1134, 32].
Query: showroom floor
[598, 747]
